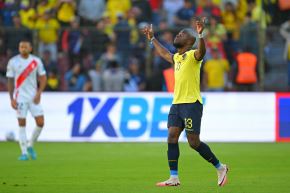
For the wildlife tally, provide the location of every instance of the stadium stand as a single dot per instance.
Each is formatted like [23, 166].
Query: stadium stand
[91, 36]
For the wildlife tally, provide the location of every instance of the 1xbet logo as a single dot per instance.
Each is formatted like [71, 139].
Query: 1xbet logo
[102, 119]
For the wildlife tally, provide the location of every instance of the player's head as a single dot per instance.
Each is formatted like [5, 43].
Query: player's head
[185, 38]
[25, 47]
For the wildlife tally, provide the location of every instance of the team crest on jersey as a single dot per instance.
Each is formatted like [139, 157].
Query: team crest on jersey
[184, 56]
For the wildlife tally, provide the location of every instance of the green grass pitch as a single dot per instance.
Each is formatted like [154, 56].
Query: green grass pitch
[136, 167]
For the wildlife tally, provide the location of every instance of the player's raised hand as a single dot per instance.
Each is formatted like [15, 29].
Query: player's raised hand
[14, 104]
[200, 25]
[148, 31]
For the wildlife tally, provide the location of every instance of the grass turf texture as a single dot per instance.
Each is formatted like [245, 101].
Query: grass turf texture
[136, 167]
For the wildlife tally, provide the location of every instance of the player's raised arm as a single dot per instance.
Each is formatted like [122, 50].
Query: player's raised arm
[162, 51]
[201, 50]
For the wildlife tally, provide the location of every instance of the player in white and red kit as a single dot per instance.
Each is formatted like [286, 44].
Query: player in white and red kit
[23, 72]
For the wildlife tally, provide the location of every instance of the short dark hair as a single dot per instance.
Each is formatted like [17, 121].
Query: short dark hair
[26, 41]
[190, 32]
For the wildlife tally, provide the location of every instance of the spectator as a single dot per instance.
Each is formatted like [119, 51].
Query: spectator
[53, 82]
[184, 15]
[27, 14]
[14, 36]
[216, 35]
[96, 78]
[167, 41]
[44, 6]
[216, 71]
[72, 40]
[1, 12]
[278, 13]
[145, 12]
[87, 46]
[66, 11]
[249, 35]
[233, 2]
[208, 10]
[171, 7]
[132, 21]
[242, 9]
[229, 19]
[48, 63]
[285, 32]
[155, 82]
[168, 75]
[123, 33]
[75, 78]
[109, 27]
[107, 57]
[63, 66]
[163, 26]
[141, 44]
[91, 11]
[99, 39]
[88, 85]
[135, 81]
[246, 76]
[115, 8]
[88, 61]
[10, 8]
[258, 14]
[233, 29]
[156, 6]
[2, 4]
[48, 34]
[113, 78]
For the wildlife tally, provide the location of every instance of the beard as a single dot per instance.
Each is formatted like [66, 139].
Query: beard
[177, 45]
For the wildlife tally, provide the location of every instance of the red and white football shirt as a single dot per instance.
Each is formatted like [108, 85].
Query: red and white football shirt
[25, 72]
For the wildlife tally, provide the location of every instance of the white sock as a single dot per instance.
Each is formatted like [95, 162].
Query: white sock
[220, 166]
[22, 140]
[35, 135]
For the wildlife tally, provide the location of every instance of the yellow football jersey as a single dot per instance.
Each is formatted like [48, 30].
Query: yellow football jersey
[216, 69]
[187, 78]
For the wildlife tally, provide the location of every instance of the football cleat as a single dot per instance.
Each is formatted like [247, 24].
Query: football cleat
[23, 157]
[170, 182]
[31, 153]
[222, 175]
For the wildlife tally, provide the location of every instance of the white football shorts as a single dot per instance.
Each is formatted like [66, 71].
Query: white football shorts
[23, 107]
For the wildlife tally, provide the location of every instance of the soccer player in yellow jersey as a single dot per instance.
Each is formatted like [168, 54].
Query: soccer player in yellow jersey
[186, 110]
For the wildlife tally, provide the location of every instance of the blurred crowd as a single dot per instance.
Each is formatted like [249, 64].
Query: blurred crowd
[97, 45]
